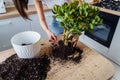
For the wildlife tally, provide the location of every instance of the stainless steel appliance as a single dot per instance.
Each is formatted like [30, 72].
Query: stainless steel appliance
[104, 33]
[106, 37]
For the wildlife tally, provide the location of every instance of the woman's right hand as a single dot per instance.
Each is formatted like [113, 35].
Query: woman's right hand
[52, 37]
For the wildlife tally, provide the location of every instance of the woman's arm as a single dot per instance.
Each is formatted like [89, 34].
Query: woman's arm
[40, 12]
[39, 8]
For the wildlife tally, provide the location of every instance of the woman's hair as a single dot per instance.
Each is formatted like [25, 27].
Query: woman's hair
[21, 6]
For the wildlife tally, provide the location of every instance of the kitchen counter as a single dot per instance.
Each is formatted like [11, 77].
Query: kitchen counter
[12, 12]
[109, 11]
[92, 66]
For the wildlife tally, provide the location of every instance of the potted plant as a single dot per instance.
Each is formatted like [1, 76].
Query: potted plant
[76, 18]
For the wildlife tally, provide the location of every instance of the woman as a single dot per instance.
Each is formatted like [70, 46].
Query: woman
[21, 5]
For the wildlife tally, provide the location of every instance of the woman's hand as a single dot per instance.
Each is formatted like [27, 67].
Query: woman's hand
[52, 37]
[74, 39]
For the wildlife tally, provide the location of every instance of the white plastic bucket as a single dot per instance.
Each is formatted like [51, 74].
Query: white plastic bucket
[27, 44]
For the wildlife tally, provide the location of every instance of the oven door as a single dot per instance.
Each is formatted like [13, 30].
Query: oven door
[104, 32]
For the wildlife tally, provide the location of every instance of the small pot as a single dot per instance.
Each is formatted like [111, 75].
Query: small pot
[27, 44]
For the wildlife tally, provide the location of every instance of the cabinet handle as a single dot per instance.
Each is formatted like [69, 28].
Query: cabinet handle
[5, 23]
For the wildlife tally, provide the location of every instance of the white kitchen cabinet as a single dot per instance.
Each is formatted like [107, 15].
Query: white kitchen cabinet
[114, 50]
[35, 23]
[10, 27]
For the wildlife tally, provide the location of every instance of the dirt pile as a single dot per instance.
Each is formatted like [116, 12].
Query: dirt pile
[15, 68]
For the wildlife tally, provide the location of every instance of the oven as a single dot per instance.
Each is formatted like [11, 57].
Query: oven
[103, 33]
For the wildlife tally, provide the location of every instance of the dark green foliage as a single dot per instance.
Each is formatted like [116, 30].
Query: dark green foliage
[75, 18]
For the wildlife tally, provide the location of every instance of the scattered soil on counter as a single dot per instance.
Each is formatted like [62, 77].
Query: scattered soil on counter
[61, 57]
[14, 68]
[63, 53]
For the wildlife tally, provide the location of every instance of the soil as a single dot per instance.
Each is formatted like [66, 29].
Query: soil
[62, 52]
[24, 44]
[15, 68]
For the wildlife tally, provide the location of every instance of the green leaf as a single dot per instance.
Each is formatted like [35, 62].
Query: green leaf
[101, 20]
[91, 26]
[55, 7]
[93, 21]
[53, 11]
[60, 18]
[62, 24]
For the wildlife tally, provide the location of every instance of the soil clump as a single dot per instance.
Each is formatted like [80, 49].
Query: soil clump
[14, 68]
[63, 53]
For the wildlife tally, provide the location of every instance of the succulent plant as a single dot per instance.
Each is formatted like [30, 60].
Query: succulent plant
[76, 18]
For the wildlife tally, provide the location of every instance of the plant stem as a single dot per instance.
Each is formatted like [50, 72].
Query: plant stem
[65, 37]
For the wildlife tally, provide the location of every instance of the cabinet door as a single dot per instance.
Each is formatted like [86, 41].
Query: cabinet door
[10, 27]
[35, 23]
[114, 50]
